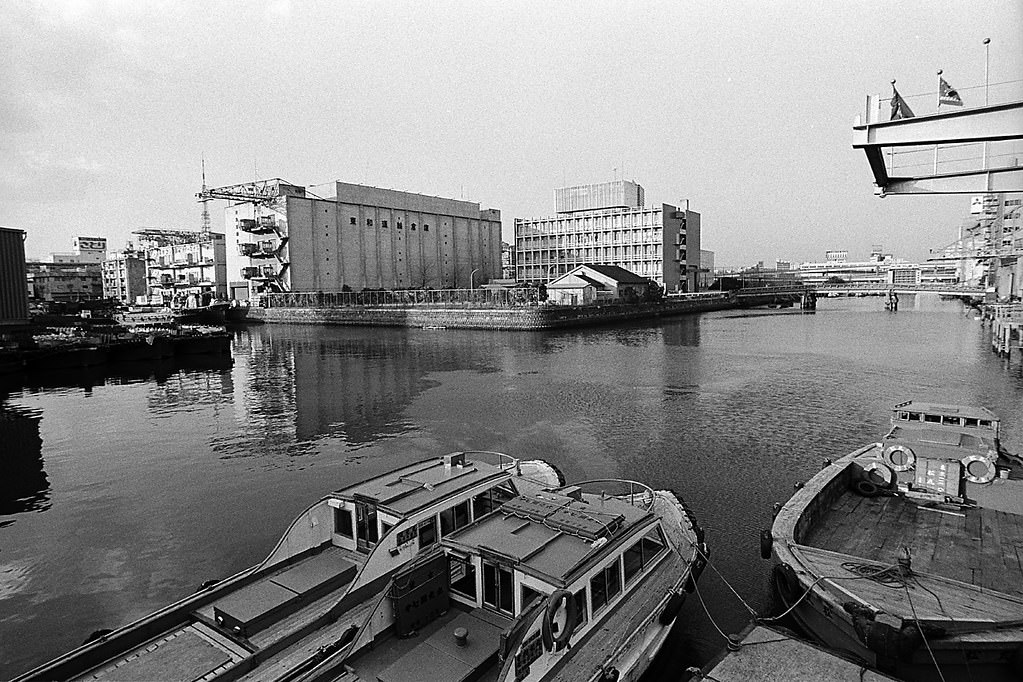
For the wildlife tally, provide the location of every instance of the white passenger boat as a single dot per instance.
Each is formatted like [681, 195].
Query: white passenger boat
[462, 567]
[907, 553]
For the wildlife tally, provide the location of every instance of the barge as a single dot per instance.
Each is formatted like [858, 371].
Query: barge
[462, 567]
[906, 553]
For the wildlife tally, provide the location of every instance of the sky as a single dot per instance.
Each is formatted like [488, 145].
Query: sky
[744, 109]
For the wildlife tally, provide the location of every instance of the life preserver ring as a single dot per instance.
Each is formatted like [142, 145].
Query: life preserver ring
[899, 457]
[978, 469]
[560, 599]
[881, 475]
[866, 488]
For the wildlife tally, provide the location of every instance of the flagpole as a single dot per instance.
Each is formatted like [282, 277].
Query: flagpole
[987, 61]
[939, 111]
[891, 150]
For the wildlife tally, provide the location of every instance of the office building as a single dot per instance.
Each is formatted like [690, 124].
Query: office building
[124, 276]
[607, 224]
[184, 269]
[347, 237]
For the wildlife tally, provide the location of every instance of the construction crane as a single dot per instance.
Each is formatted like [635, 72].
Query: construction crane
[259, 192]
[980, 242]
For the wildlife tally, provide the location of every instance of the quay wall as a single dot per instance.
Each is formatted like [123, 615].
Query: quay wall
[510, 318]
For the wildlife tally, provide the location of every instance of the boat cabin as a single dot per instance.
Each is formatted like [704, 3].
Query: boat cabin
[966, 417]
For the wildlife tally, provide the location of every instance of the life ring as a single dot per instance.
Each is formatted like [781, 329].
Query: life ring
[881, 475]
[866, 488]
[899, 457]
[560, 599]
[978, 469]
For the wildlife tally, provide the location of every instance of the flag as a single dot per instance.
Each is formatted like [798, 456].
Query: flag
[947, 94]
[899, 107]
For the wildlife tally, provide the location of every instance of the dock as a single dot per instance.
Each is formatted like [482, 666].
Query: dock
[1007, 330]
[767, 654]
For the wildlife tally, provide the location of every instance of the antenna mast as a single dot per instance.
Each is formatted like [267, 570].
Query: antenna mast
[205, 201]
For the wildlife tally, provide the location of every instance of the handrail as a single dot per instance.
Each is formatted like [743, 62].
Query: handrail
[635, 488]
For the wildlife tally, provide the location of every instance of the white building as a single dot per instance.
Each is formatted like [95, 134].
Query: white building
[607, 224]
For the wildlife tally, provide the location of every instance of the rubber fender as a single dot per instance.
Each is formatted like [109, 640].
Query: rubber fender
[866, 488]
[671, 608]
[766, 544]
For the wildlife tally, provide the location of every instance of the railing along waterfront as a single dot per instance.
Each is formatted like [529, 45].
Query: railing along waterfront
[494, 298]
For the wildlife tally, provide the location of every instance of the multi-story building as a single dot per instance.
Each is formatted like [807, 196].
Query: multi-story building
[183, 268]
[13, 283]
[607, 224]
[124, 276]
[837, 266]
[341, 236]
[74, 276]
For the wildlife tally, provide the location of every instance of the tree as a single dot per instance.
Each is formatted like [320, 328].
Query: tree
[654, 292]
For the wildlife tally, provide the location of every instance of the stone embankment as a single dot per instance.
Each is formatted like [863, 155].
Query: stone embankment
[477, 317]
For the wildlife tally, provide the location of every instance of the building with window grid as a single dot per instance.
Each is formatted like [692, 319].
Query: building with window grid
[607, 224]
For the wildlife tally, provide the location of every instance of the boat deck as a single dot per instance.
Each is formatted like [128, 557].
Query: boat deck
[981, 547]
[769, 655]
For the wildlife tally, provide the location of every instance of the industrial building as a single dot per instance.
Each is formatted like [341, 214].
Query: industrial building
[346, 237]
[184, 269]
[124, 276]
[69, 276]
[13, 285]
[607, 224]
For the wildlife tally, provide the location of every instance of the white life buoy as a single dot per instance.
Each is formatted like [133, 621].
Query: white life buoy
[881, 475]
[978, 469]
[899, 457]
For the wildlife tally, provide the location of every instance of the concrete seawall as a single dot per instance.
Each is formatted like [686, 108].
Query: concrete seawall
[512, 318]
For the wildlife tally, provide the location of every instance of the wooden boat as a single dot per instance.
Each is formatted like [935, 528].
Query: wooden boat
[907, 553]
[467, 566]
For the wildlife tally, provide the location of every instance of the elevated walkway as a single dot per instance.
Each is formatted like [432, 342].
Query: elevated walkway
[989, 123]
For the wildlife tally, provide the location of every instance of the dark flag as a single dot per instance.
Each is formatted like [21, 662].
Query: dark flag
[947, 94]
[899, 107]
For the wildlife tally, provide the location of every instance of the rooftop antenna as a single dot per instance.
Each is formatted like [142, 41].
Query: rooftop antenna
[205, 202]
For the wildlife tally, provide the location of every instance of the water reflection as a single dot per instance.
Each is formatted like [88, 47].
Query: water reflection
[23, 486]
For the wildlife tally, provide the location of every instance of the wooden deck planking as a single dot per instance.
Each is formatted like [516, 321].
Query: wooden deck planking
[979, 548]
[968, 606]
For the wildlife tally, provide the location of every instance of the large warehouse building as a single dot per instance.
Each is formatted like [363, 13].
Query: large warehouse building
[607, 224]
[341, 236]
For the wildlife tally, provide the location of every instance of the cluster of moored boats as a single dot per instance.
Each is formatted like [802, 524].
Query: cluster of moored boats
[477, 566]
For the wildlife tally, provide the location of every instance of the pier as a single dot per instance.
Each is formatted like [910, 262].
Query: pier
[1007, 330]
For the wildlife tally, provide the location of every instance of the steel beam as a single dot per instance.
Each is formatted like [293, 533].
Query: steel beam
[991, 123]
[972, 182]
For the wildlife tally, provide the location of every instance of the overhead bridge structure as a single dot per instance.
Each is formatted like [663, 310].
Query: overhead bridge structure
[986, 124]
[853, 288]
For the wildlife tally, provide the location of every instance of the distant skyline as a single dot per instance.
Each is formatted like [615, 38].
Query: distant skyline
[744, 109]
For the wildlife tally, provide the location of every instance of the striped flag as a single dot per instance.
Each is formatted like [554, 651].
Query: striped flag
[947, 94]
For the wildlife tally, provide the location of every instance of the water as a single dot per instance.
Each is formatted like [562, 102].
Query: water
[120, 495]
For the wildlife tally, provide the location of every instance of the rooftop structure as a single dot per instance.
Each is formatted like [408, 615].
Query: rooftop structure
[614, 194]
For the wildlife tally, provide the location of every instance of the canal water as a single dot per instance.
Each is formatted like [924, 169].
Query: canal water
[123, 493]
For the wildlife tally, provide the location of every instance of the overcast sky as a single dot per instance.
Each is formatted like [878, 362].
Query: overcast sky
[745, 109]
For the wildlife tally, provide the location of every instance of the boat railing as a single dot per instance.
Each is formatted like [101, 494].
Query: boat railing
[635, 493]
[498, 459]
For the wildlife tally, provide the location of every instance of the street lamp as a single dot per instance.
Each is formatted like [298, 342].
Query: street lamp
[470, 278]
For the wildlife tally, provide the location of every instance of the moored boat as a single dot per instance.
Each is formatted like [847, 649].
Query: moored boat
[904, 553]
[458, 567]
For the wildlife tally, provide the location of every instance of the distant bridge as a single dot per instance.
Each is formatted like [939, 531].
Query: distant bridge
[878, 288]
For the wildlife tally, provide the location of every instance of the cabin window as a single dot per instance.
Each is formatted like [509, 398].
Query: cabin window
[427, 532]
[384, 527]
[915, 417]
[950, 421]
[580, 606]
[642, 554]
[932, 418]
[343, 523]
[454, 518]
[970, 422]
[489, 500]
[904, 416]
[529, 595]
[605, 585]
[463, 576]
[366, 530]
[985, 423]
[497, 588]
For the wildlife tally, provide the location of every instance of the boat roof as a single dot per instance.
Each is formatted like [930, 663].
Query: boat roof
[406, 490]
[968, 411]
[550, 534]
[939, 439]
